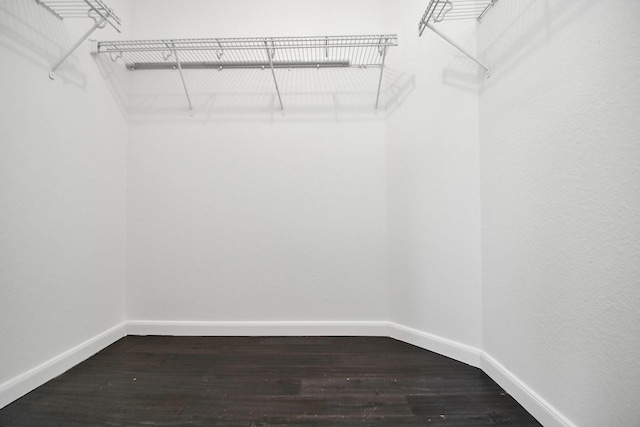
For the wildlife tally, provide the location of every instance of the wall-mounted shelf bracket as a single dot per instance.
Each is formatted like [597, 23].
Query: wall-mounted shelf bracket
[448, 10]
[175, 54]
[271, 53]
[382, 52]
[253, 53]
[95, 10]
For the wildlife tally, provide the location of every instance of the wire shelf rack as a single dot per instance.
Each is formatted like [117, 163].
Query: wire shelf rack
[449, 10]
[255, 52]
[441, 10]
[95, 10]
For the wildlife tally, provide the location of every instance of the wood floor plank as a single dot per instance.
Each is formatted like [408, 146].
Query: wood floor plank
[267, 381]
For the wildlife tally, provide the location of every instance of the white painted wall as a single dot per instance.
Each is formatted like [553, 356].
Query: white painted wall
[332, 213]
[433, 183]
[62, 197]
[560, 164]
[241, 214]
[257, 222]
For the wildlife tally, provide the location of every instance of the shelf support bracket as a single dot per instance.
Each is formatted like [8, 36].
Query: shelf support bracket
[384, 57]
[273, 73]
[97, 24]
[457, 46]
[184, 84]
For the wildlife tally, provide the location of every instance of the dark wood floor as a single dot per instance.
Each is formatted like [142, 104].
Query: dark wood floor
[275, 381]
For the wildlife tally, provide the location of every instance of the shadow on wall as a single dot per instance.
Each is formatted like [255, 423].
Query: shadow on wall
[36, 34]
[250, 94]
[115, 76]
[33, 32]
[508, 33]
[513, 30]
[461, 72]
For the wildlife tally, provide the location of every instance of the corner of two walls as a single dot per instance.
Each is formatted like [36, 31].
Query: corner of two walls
[289, 219]
[438, 291]
[240, 214]
[62, 204]
[434, 190]
[222, 208]
[553, 307]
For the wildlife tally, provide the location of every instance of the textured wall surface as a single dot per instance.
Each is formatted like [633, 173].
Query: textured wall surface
[267, 222]
[433, 183]
[240, 213]
[521, 239]
[62, 192]
[560, 164]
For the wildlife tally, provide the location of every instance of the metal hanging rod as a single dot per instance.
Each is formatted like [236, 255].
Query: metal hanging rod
[255, 52]
[449, 10]
[95, 10]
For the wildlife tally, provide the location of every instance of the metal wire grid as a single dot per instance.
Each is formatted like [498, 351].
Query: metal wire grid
[257, 52]
[444, 10]
[441, 10]
[94, 9]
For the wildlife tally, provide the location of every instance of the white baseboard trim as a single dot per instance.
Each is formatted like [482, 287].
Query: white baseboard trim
[449, 348]
[258, 328]
[542, 410]
[455, 350]
[24, 383]
[531, 401]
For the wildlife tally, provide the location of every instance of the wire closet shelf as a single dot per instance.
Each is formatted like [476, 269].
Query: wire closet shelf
[256, 52]
[252, 53]
[95, 10]
[450, 10]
